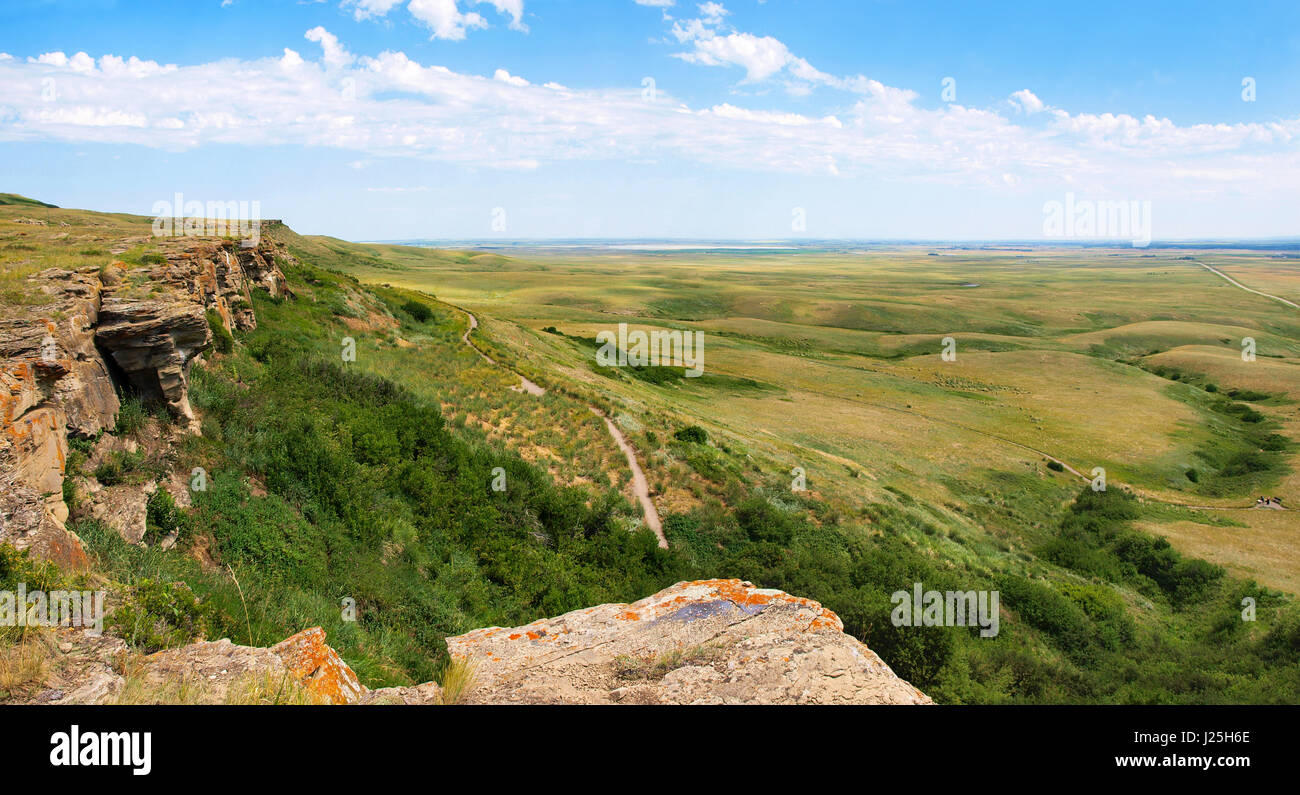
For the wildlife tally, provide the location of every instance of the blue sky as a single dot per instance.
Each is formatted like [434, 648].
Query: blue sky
[432, 118]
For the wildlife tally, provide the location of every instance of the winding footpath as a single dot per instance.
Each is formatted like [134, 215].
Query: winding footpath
[524, 384]
[640, 486]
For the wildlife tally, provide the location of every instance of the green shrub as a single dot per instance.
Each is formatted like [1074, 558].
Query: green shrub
[222, 340]
[131, 417]
[119, 466]
[1246, 463]
[1044, 608]
[417, 310]
[692, 434]
[20, 567]
[1055, 466]
[159, 615]
[163, 517]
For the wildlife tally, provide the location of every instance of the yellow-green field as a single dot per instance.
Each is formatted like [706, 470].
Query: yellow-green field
[831, 362]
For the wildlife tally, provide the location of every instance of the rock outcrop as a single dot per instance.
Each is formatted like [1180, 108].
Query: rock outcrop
[706, 642]
[63, 358]
[154, 336]
[98, 670]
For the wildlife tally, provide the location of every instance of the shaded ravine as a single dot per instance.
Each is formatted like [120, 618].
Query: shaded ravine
[640, 486]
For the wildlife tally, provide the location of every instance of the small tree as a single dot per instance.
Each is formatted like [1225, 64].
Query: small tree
[417, 310]
[693, 434]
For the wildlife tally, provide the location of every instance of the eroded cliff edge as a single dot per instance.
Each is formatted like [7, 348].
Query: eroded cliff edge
[93, 333]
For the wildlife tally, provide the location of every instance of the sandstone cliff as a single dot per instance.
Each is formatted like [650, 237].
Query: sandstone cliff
[706, 642]
[94, 331]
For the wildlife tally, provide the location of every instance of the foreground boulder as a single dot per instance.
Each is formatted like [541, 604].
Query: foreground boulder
[92, 669]
[704, 642]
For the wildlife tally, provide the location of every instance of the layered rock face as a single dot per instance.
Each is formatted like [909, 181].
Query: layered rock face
[60, 361]
[705, 642]
[153, 337]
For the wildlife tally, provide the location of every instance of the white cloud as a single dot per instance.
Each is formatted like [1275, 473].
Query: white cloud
[656, 3]
[712, 13]
[762, 57]
[505, 77]
[445, 18]
[366, 9]
[1025, 100]
[389, 105]
[515, 8]
[336, 55]
[291, 60]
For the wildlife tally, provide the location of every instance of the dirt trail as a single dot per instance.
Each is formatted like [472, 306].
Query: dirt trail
[1233, 281]
[640, 486]
[524, 384]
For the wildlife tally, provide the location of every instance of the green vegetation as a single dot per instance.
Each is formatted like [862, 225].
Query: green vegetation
[372, 479]
[163, 518]
[159, 615]
[222, 340]
[13, 199]
[417, 310]
[121, 466]
[692, 434]
[131, 417]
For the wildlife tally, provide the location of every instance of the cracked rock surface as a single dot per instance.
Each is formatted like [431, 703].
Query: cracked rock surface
[703, 642]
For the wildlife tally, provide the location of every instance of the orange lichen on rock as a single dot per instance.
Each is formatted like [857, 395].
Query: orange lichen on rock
[728, 642]
[311, 661]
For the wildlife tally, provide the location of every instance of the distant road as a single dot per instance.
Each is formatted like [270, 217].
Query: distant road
[1233, 281]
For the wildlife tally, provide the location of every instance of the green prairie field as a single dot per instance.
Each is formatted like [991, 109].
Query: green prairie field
[1120, 359]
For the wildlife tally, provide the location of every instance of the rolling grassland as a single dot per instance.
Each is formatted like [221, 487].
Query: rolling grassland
[828, 449]
[831, 362]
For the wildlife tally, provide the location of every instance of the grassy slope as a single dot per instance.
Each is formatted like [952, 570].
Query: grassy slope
[333, 481]
[13, 199]
[1048, 345]
[872, 413]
